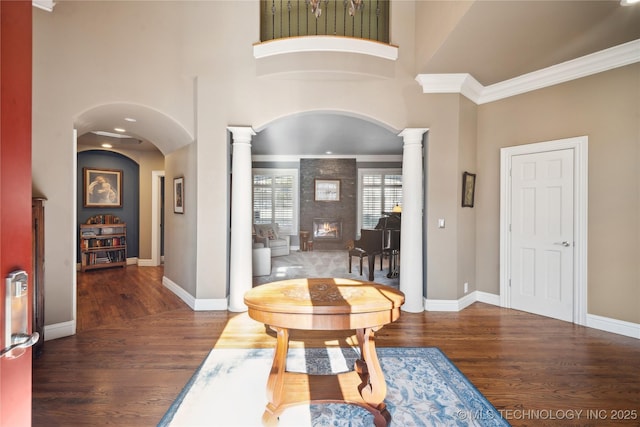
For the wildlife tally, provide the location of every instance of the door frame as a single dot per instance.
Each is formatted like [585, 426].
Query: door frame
[156, 200]
[580, 185]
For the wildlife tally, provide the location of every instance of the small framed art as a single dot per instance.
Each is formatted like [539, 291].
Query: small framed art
[178, 195]
[468, 189]
[327, 190]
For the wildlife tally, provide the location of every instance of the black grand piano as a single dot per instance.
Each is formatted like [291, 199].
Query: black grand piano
[390, 226]
[383, 240]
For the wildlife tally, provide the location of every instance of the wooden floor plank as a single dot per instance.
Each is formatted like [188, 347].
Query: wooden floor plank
[127, 367]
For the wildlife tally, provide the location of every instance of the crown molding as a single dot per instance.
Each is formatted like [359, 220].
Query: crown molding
[467, 85]
[451, 83]
[44, 4]
[325, 44]
[298, 157]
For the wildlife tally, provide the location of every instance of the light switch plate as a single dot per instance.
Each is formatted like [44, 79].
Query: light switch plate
[441, 223]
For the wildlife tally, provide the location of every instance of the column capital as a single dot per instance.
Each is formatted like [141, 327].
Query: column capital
[413, 135]
[241, 133]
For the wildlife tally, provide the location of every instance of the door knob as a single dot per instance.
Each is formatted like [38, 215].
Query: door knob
[565, 243]
[16, 324]
[21, 341]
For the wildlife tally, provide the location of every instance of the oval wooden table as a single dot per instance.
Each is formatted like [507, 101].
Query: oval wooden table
[326, 304]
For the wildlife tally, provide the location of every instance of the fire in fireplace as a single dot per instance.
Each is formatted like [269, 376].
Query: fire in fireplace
[327, 229]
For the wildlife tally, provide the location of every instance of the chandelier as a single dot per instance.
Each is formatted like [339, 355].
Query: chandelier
[354, 6]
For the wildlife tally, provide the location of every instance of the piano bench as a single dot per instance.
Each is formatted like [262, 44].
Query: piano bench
[360, 253]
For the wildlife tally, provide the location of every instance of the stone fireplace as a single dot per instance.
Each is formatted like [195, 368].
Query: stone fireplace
[343, 214]
[327, 229]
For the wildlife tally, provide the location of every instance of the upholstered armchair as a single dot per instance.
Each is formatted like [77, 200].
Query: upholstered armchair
[269, 235]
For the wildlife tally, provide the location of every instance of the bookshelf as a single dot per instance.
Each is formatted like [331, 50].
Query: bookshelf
[103, 245]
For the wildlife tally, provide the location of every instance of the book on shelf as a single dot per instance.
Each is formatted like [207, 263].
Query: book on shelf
[103, 242]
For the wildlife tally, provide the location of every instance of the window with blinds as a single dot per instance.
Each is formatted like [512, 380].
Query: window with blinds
[380, 191]
[275, 198]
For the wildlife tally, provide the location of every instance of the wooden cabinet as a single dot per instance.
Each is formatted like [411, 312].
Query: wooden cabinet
[37, 246]
[103, 246]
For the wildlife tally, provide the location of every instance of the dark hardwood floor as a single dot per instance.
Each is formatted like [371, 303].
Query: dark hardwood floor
[137, 345]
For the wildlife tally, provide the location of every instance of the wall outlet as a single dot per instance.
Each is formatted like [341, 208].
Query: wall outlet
[466, 287]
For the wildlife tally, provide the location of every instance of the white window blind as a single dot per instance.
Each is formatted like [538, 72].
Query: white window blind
[275, 198]
[380, 190]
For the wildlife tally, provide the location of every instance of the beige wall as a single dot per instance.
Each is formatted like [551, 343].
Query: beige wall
[193, 62]
[466, 218]
[180, 236]
[436, 19]
[443, 151]
[149, 162]
[604, 107]
[451, 150]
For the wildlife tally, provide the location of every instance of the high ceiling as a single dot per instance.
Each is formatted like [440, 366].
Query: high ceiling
[492, 40]
[499, 40]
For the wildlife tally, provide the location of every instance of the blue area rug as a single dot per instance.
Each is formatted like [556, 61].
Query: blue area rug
[423, 389]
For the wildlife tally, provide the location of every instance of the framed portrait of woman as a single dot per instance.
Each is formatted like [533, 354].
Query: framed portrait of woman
[102, 188]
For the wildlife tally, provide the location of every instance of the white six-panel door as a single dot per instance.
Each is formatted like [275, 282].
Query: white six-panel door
[542, 230]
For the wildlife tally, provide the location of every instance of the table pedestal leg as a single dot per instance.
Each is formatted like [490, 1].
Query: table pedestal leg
[275, 384]
[365, 386]
[373, 388]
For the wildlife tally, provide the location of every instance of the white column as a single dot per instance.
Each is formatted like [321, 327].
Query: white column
[411, 275]
[240, 274]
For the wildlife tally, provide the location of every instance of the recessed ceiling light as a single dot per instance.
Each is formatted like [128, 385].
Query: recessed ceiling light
[119, 130]
[105, 145]
[628, 2]
[130, 119]
[110, 134]
[328, 152]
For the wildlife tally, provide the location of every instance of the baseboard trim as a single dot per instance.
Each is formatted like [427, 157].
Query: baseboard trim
[462, 303]
[59, 330]
[601, 323]
[606, 324]
[195, 304]
[146, 263]
[487, 298]
[211, 304]
[440, 305]
[615, 326]
[455, 305]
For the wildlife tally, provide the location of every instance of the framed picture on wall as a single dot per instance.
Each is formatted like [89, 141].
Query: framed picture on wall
[178, 195]
[468, 189]
[327, 190]
[102, 188]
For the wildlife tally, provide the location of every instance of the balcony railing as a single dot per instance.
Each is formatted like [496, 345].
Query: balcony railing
[364, 19]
